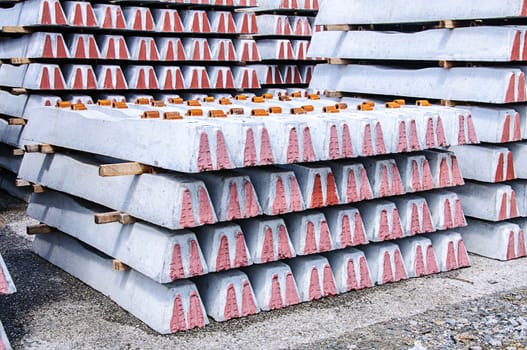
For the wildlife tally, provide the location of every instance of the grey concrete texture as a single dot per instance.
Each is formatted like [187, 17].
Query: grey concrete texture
[227, 295]
[459, 44]
[171, 254]
[55, 310]
[444, 168]
[123, 193]
[8, 184]
[109, 17]
[492, 202]
[446, 208]
[520, 189]
[486, 163]
[460, 83]
[274, 286]
[286, 140]
[518, 157]
[421, 127]
[503, 240]
[449, 250]
[498, 124]
[8, 161]
[165, 308]
[337, 12]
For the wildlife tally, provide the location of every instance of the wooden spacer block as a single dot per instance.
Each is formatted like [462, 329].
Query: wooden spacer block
[106, 218]
[15, 29]
[448, 103]
[125, 169]
[339, 27]
[333, 94]
[126, 219]
[32, 148]
[18, 152]
[447, 24]
[119, 265]
[447, 64]
[38, 229]
[114, 216]
[16, 121]
[22, 183]
[38, 188]
[339, 61]
[46, 148]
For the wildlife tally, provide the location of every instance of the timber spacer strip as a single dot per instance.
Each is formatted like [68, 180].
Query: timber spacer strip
[114, 216]
[118, 265]
[125, 169]
[38, 229]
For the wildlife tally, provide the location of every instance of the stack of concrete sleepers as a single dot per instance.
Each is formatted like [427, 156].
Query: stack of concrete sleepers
[284, 32]
[230, 206]
[6, 287]
[77, 51]
[443, 51]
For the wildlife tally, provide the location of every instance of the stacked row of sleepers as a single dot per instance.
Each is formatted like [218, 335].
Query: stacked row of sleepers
[81, 51]
[225, 207]
[6, 287]
[284, 32]
[400, 53]
[181, 209]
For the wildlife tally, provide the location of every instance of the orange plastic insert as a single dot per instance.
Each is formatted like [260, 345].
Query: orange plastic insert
[217, 113]
[172, 116]
[104, 103]
[275, 110]
[175, 100]
[194, 112]
[63, 104]
[259, 113]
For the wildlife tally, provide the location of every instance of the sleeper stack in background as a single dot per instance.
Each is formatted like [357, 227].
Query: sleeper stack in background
[284, 33]
[77, 51]
[471, 56]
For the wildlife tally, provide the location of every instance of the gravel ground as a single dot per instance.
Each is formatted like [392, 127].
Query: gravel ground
[483, 307]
